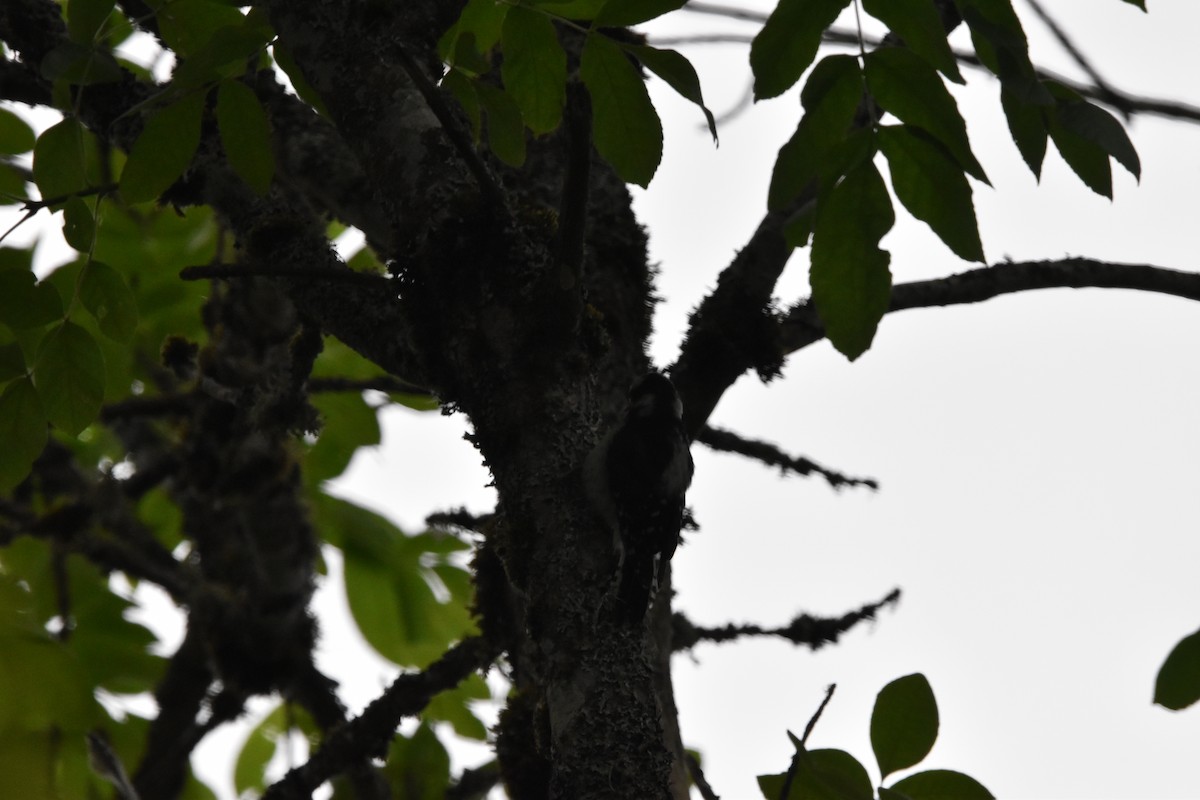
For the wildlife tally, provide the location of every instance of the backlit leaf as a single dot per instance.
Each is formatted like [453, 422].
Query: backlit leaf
[1178, 683]
[624, 13]
[245, 134]
[163, 150]
[22, 429]
[830, 97]
[932, 186]
[79, 224]
[679, 74]
[1027, 124]
[534, 68]
[15, 134]
[110, 300]
[505, 128]
[851, 283]
[61, 163]
[912, 91]
[904, 723]
[788, 42]
[919, 25]
[69, 376]
[941, 784]
[25, 302]
[625, 127]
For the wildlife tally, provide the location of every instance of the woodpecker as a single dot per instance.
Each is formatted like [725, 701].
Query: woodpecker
[636, 479]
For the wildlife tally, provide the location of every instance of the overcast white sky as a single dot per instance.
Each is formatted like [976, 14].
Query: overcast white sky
[1036, 455]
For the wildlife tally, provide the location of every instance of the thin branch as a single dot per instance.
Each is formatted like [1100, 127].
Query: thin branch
[802, 327]
[369, 733]
[1073, 51]
[476, 783]
[794, 767]
[459, 518]
[165, 405]
[573, 206]
[724, 441]
[731, 12]
[698, 779]
[812, 723]
[226, 271]
[813, 632]
[382, 383]
[454, 132]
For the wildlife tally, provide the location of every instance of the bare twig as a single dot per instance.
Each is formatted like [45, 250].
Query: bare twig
[802, 327]
[454, 132]
[697, 775]
[730, 442]
[1073, 51]
[794, 767]
[814, 632]
[382, 383]
[369, 732]
[226, 271]
[812, 723]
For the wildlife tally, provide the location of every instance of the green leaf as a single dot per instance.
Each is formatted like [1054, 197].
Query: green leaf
[23, 431]
[188, 25]
[910, 89]
[25, 303]
[16, 136]
[932, 186]
[830, 97]
[69, 376]
[505, 128]
[788, 42]
[12, 185]
[1178, 682]
[79, 224]
[625, 13]
[483, 20]
[941, 784]
[110, 300]
[1094, 124]
[388, 584]
[163, 150]
[45, 688]
[821, 775]
[534, 68]
[249, 772]
[851, 283]
[904, 724]
[1086, 159]
[572, 9]
[349, 423]
[453, 706]
[1027, 124]
[919, 25]
[625, 127]
[63, 159]
[225, 54]
[81, 64]
[12, 359]
[417, 767]
[245, 135]
[1000, 44]
[1139, 3]
[84, 18]
[679, 74]
[464, 92]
